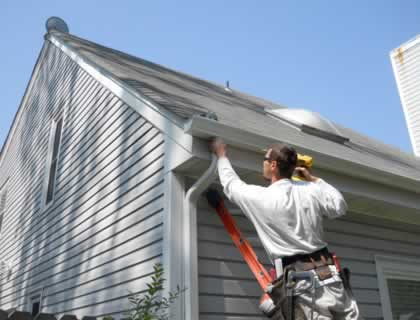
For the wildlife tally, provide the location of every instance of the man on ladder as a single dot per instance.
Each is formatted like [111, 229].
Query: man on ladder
[287, 216]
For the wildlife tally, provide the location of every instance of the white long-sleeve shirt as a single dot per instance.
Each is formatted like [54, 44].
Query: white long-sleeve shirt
[288, 214]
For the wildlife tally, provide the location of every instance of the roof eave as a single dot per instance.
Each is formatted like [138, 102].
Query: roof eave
[207, 128]
[167, 122]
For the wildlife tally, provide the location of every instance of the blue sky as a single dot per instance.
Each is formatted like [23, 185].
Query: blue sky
[331, 57]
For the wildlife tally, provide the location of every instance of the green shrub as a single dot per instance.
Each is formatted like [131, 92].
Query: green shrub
[151, 305]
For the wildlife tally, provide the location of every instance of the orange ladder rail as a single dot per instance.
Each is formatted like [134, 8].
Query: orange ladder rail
[261, 274]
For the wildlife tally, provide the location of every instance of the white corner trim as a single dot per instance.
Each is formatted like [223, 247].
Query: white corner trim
[172, 246]
[168, 123]
[394, 267]
[180, 257]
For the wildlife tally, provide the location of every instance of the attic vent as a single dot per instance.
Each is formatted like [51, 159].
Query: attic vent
[309, 122]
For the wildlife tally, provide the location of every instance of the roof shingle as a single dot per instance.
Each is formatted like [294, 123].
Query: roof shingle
[185, 96]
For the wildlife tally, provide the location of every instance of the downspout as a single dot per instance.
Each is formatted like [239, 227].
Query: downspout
[190, 241]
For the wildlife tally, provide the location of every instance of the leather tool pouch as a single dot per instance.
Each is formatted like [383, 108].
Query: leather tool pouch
[322, 269]
[323, 272]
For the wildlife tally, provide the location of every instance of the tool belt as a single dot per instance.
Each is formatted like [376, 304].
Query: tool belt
[298, 267]
[282, 289]
[319, 261]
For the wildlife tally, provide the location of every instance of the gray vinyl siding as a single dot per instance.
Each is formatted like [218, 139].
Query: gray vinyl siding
[228, 289]
[100, 237]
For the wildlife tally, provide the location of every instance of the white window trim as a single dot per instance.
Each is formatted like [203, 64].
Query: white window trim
[49, 159]
[53, 127]
[35, 296]
[394, 267]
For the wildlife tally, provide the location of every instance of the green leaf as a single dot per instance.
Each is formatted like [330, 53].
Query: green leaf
[152, 305]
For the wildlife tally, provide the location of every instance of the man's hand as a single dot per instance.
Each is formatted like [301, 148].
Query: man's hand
[305, 174]
[218, 147]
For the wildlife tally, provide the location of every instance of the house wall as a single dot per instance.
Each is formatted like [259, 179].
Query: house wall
[102, 234]
[406, 65]
[228, 290]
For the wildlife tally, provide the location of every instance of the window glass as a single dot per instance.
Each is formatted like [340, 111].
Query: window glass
[35, 308]
[54, 159]
[35, 305]
[399, 286]
[405, 298]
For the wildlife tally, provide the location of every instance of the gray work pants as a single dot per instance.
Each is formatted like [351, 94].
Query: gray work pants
[331, 301]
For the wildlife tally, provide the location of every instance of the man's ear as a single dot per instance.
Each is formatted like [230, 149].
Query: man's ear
[273, 165]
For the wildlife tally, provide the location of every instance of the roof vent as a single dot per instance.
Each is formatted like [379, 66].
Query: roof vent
[227, 86]
[309, 122]
[56, 24]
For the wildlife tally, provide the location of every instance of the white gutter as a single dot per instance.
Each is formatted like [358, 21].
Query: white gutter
[190, 241]
[205, 128]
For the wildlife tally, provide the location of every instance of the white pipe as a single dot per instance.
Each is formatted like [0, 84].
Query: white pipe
[190, 241]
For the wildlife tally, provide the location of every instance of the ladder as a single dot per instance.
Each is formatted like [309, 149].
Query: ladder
[261, 274]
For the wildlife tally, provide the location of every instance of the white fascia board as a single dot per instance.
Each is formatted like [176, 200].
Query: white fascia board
[169, 124]
[26, 95]
[207, 128]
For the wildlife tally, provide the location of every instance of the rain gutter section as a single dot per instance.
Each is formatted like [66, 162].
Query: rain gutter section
[191, 311]
[206, 128]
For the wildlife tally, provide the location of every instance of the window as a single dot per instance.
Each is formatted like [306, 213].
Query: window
[55, 148]
[35, 305]
[399, 287]
[3, 199]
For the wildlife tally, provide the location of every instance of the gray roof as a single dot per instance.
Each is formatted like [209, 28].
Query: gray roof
[185, 96]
